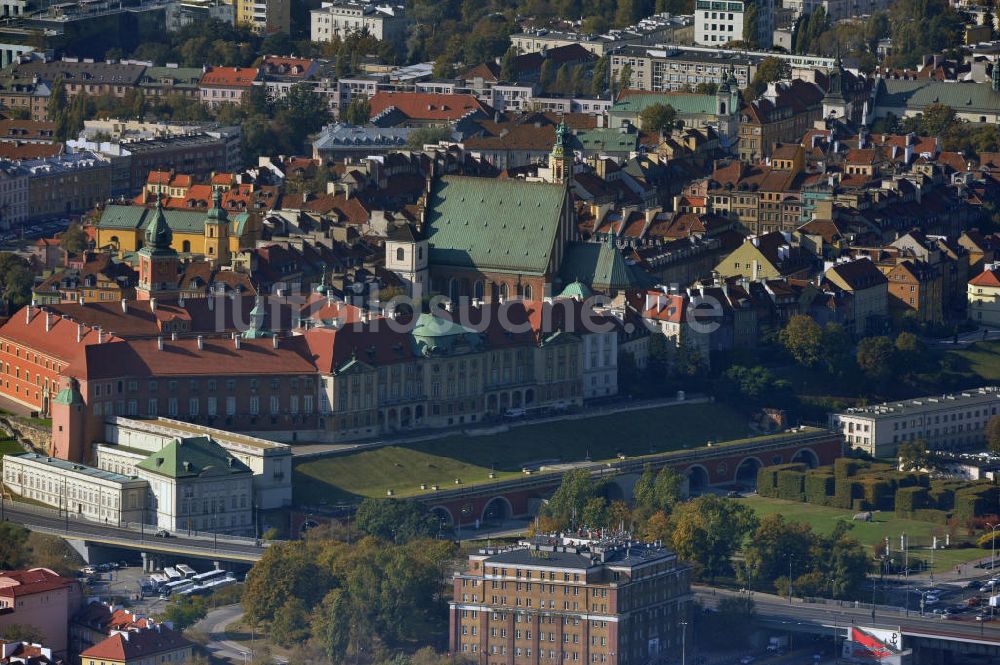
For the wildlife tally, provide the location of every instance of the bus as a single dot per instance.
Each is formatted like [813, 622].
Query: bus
[172, 574]
[176, 586]
[185, 570]
[158, 579]
[210, 576]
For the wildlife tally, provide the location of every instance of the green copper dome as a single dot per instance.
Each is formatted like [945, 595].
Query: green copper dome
[158, 233]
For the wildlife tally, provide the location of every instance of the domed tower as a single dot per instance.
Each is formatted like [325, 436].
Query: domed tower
[158, 261]
[561, 157]
[727, 110]
[69, 423]
[217, 232]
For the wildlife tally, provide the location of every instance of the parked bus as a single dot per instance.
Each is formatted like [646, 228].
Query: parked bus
[176, 586]
[172, 574]
[158, 578]
[187, 571]
[202, 578]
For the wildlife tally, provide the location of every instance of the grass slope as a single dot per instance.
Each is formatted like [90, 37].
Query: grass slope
[403, 468]
[920, 534]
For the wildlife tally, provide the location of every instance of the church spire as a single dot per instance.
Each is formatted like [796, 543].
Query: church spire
[158, 233]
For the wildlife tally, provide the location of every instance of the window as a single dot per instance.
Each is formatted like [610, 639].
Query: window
[400, 254]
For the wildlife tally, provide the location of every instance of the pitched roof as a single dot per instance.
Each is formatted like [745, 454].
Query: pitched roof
[989, 278]
[916, 95]
[180, 221]
[426, 105]
[601, 266]
[137, 644]
[230, 77]
[858, 274]
[685, 103]
[14, 583]
[506, 225]
[193, 457]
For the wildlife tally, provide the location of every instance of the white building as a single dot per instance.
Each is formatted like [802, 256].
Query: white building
[83, 491]
[270, 461]
[600, 364]
[945, 422]
[717, 22]
[406, 254]
[339, 19]
[196, 485]
[13, 196]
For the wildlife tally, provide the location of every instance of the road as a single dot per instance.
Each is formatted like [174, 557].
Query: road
[46, 520]
[779, 609]
[220, 645]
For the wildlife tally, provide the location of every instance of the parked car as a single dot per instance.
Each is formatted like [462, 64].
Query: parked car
[162, 533]
[984, 617]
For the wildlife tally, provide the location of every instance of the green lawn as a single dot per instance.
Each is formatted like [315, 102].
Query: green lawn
[919, 534]
[403, 468]
[981, 359]
[9, 447]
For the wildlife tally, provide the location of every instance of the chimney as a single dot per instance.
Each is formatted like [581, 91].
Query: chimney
[159, 343]
[201, 343]
[237, 341]
[27, 314]
[274, 341]
[79, 333]
[152, 304]
[173, 337]
[124, 306]
[48, 321]
[211, 302]
[100, 335]
[180, 301]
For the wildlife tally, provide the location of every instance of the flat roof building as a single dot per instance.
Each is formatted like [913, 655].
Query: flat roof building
[580, 598]
[944, 422]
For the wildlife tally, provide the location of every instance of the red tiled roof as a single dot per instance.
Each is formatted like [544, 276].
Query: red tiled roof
[28, 582]
[426, 105]
[986, 278]
[136, 644]
[230, 77]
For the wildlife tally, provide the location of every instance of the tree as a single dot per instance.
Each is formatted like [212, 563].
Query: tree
[913, 455]
[658, 118]
[599, 78]
[286, 571]
[708, 530]
[444, 67]
[427, 135]
[73, 240]
[774, 544]
[398, 521]
[16, 280]
[291, 624]
[803, 339]
[19, 632]
[508, 66]
[56, 109]
[875, 355]
[625, 77]
[563, 83]
[546, 76]
[993, 435]
[836, 348]
[185, 611]
[750, 27]
[706, 88]
[13, 538]
[358, 111]
[567, 506]
[936, 119]
[769, 70]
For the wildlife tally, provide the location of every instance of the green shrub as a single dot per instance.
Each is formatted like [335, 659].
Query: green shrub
[909, 499]
[931, 515]
[767, 478]
[860, 505]
[845, 467]
[819, 487]
[790, 485]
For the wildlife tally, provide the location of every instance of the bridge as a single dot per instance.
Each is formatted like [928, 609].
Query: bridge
[934, 641]
[719, 464]
[102, 541]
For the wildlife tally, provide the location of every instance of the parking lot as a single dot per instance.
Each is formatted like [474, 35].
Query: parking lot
[123, 585]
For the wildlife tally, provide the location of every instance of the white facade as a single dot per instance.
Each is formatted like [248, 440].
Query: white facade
[88, 493]
[945, 422]
[717, 22]
[408, 259]
[600, 364]
[271, 462]
[212, 503]
[339, 19]
[13, 197]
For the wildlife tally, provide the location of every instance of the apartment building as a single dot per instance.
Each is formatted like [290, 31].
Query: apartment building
[944, 422]
[579, 598]
[663, 28]
[42, 599]
[65, 184]
[718, 22]
[264, 16]
[226, 85]
[13, 196]
[983, 293]
[82, 491]
[336, 20]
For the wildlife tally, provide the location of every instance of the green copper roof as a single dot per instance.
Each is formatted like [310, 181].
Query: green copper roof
[490, 224]
[217, 214]
[258, 321]
[602, 266]
[434, 335]
[576, 289]
[190, 457]
[69, 397]
[158, 233]
[915, 95]
[608, 140]
[685, 103]
[180, 221]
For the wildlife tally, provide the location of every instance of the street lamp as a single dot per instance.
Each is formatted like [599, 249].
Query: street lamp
[993, 542]
[790, 558]
[684, 625]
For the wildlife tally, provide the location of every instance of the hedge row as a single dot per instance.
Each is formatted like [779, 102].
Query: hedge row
[767, 479]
